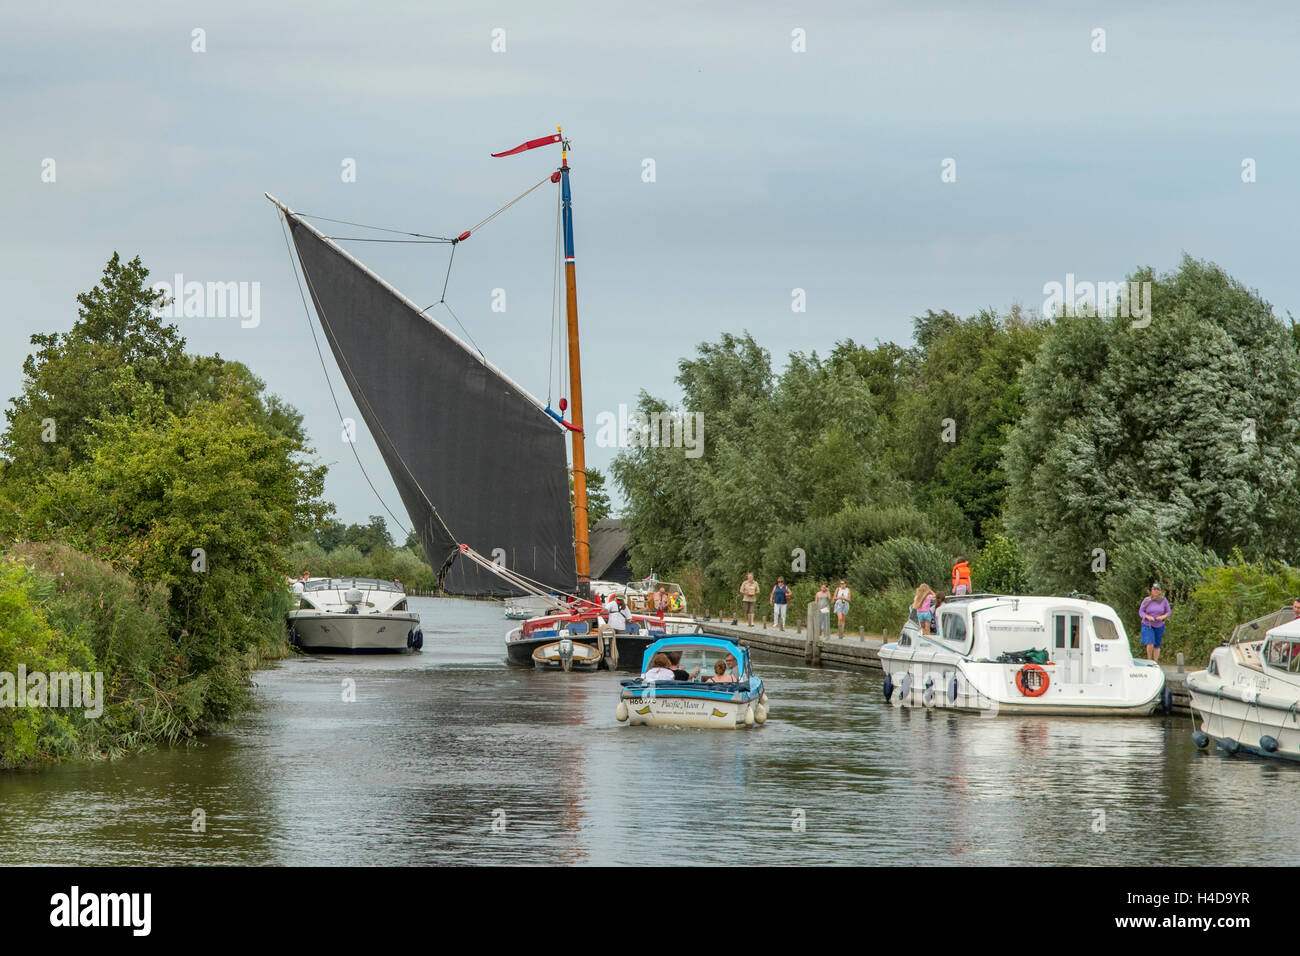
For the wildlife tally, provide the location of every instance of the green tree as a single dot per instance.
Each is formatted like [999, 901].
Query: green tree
[205, 504]
[1186, 425]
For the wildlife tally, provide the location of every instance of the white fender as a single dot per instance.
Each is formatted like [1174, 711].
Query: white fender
[749, 716]
[760, 714]
[621, 712]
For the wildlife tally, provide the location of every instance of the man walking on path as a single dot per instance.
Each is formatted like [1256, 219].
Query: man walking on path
[961, 577]
[780, 598]
[749, 597]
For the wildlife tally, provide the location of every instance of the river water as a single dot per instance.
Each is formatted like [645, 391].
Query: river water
[451, 756]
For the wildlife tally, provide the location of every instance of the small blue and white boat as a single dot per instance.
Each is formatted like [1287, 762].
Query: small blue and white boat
[703, 700]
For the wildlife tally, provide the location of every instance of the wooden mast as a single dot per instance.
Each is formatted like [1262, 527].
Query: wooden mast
[581, 547]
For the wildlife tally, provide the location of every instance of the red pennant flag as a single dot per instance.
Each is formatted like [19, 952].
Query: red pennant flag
[532, 144]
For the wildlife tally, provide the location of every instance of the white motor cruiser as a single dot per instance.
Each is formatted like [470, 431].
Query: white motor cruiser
[354, 614]
[1248, 697]
[996, 653]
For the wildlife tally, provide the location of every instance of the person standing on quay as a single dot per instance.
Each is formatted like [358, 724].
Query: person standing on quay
[749, 597]
[842, 597]
[780, 599]
[1153, 613]
[824, 610]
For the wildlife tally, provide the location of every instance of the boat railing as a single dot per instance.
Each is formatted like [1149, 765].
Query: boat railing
[1256, 629]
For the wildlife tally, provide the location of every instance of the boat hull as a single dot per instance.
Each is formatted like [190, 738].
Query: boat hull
[677, 705]
[566, 655]
[989, 689]
[1237, 719]
[356, 633]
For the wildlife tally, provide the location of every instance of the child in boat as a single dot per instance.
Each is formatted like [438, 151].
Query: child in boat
[660, 669]
[923, 604]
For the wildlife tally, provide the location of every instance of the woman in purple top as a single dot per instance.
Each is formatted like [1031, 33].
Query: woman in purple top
[1153, 613]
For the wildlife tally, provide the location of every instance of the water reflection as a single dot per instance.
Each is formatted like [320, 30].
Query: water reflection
[451, 757]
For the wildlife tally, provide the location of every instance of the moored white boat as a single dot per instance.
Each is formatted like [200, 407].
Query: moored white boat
[354, 614]
[695, 703]
[566, 654]
[1248, 697]
[1006, 654]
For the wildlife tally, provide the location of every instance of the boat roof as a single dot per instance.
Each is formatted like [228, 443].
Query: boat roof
[981, 602]
[1289, 629]
[694, 640]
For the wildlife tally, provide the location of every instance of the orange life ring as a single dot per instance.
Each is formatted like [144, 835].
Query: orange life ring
[1039, 678]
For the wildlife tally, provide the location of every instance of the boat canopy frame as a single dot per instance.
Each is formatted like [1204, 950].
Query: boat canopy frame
[684, 642]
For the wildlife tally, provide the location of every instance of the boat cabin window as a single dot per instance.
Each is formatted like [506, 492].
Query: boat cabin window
[1283, 653]
[1105, 629]
[1067, 631]
[953, 628]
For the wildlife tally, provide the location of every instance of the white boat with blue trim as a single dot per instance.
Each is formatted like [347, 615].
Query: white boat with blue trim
[697, 701]
[994, 653]
[1248, 697]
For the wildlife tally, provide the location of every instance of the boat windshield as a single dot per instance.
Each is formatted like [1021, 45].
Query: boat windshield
[704, 660]
[343, 584]
[1256, 629]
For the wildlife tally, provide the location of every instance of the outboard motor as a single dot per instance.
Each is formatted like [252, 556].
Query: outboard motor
[566, 654]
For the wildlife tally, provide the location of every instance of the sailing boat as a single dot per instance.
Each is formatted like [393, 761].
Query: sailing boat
[478, 462]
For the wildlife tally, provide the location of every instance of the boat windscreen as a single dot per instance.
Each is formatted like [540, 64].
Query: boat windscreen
[1256, 629]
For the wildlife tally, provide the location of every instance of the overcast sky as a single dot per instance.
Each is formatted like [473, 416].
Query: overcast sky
[774, 169]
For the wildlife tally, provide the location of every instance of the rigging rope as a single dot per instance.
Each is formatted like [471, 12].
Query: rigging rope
[362, 225]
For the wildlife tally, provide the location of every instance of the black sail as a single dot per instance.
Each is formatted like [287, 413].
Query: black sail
[475, 458]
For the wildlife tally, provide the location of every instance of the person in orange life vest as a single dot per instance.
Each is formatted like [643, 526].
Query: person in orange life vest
[961, 577]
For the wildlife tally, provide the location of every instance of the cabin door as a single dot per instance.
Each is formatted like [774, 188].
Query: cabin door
[1066, 650]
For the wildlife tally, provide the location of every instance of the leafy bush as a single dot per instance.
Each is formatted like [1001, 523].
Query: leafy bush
[1138, 563]
[999, 567]
[1224, 597]
[901, 562]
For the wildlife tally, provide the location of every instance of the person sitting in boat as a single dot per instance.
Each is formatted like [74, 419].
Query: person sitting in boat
[660, 669]
[724, 671]
[733, 667]
[616, 618]
[679, 672]
[661, 601]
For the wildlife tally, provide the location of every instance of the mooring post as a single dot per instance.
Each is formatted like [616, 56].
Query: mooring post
[1180, 662]
[862, 633]
[810, 640]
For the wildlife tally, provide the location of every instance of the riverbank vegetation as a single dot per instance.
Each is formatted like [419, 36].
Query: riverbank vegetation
[1069, 453]
[148, 501]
